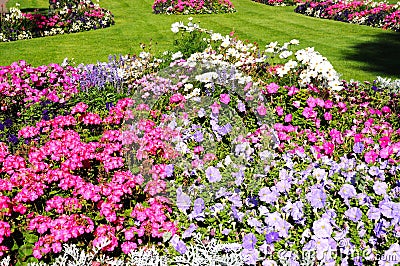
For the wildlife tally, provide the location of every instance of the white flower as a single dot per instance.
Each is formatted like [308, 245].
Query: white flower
[176, 55]
[294, 42]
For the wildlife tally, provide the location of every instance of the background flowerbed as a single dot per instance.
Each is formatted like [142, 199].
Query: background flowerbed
[374, 14]
[62, 17]
[146, 151]
[192, 7]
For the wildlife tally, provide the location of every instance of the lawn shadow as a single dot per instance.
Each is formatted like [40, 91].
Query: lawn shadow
[35, 10]
[381, 55]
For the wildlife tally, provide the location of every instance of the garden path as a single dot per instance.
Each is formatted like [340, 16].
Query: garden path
[3, 8]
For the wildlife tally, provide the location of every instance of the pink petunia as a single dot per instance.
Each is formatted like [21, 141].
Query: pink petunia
[370, 157]
[328, 116]
[272, 87]
[261, 110]
[224, 98]
[288, 118]
[279, 110]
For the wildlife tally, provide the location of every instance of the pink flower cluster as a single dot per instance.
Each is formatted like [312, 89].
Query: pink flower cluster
[90, 178]
[27, 84]
[377, 136]
[376, 14]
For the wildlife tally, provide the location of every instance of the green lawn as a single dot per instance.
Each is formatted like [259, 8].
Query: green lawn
[358, 52]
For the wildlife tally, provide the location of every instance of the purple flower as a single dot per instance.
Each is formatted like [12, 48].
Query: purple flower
[13, 139]
[374, 213]
[316, 197]
[236, 200]
[379, 230]
[387, 209]
[274, 219]
[2, 127]
[252, 201]
[268, 195]
[201, 113]
[178, 244]
[8, 122]
[297, 210]
[188, 232]
[241, 106]
[353, 214]
[169, 170]
[347, 191]
[250, 256]
[239, 177]
[214, 209]
[213, 174]
[249, 241]
[223, 130]
[272, 237]
[198, 136]
[183, 201]
[380, 188]
[322, 228]
[226, 231]
[358, 147]
[236, 214]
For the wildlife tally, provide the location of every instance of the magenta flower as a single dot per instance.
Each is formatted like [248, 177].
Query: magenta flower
[224, 98]
[261, 110]
[370, 157]
[279, 110]
[288, 118]
[328, 116]
[215, 108]
[272, 88]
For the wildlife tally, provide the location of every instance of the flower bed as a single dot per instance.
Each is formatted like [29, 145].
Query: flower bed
[227, 153]
[193, 7]
[279, 2]
[62, 18]
[375, 14]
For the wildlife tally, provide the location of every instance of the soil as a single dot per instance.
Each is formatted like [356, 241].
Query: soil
[3, 8]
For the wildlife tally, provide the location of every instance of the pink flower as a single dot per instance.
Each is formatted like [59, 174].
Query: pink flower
[386, 109]
[198, 149]
[384, 141]
[386, 152]
[328, 116]
[288, 118]
[128, 246]
[296, 104]
[215, 108]
[358, 137]
[272, 87]
[224, 98]
[309, 112]
[279, 110]
[79, 108]
[318, 123]
[311, 137]
[342, 106]
[261, 110]
[370, 157]
[292, 90]
[328, 104]
[311, 102]
[328, 147]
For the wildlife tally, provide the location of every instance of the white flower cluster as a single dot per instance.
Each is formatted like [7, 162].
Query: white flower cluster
[317, 68]
[199, 254]
[387, 83]
[314, 67]
[209, 254]
[177, 26]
